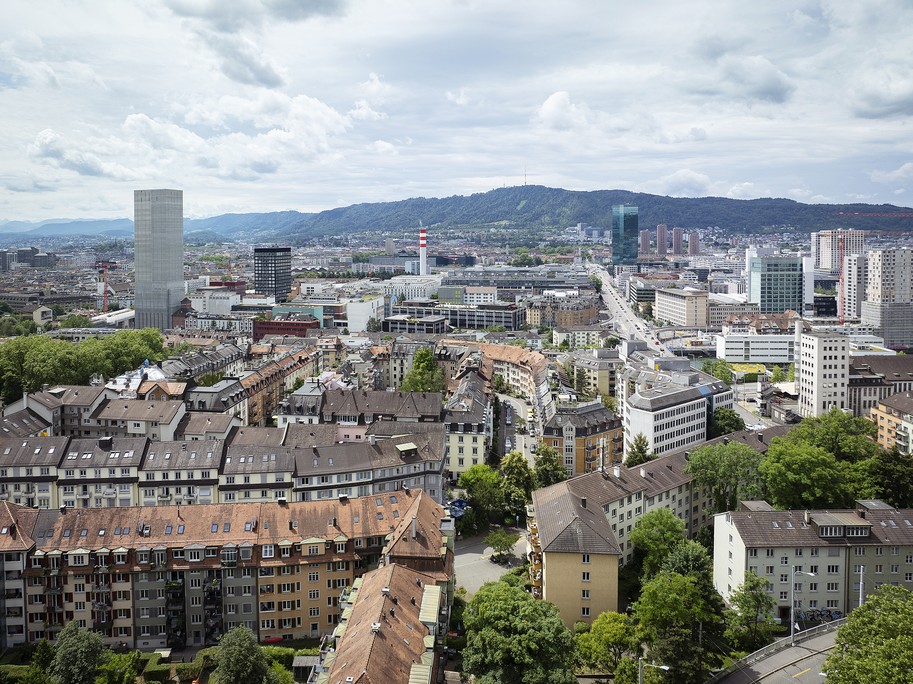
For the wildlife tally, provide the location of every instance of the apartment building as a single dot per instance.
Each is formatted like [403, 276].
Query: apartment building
[594, 370]
[573, 555]
[468, 421]
[894, 418]
[156, 577]
[563, 308]
[587, 435]
[872, 543]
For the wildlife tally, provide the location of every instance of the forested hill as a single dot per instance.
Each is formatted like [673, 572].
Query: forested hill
[521, 208]
[538, 207]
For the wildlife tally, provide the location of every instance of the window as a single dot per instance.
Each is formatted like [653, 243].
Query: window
[268, 551]
[585, 594]
[585, 611]
[586, 577]
[586, 558]
[314, 594]
[833, 586]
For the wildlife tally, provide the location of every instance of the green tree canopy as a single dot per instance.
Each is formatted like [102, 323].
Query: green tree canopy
[608, 639]
[671, 613]
[76, 321]
[724, 421]
[513, 638]
[777, 374]
[876, 643]
[425, 375]
[501, 541]
[518, 483]
[728, 471]
[888, 475]
[801, 476]
[751, 622]
[718, 369]
[77, 656]
[548, 467]
[839, 433]
[241, 660]
[484, 490]
[654, 537]
[639, 453]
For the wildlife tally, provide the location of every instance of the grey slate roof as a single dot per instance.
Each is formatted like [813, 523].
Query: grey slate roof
[567, 525]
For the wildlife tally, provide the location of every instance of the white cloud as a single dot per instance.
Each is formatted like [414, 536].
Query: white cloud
[271, 104]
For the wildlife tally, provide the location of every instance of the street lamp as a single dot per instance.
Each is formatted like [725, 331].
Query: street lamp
[792, 603]
[640, 669]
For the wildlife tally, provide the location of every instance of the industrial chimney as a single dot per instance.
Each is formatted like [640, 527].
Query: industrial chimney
[422, 251]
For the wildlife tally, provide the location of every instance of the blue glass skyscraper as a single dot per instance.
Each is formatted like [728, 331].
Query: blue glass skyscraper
[625, 234]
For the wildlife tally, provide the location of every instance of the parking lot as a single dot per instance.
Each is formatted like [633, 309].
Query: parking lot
[472, 561]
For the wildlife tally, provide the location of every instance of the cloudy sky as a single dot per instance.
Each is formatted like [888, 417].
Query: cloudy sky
[262, 105]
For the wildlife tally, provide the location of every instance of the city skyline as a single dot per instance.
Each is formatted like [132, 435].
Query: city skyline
[269, 106]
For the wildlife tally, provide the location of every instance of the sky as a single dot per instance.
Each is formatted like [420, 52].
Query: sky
[268, 105]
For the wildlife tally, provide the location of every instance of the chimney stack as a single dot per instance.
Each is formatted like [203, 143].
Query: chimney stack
[422, 252]
[413, 527]
[617, 471]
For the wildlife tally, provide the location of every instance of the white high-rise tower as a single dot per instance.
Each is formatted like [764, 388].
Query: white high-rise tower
[158, 229]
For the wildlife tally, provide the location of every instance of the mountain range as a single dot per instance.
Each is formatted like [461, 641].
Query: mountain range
[525, 207]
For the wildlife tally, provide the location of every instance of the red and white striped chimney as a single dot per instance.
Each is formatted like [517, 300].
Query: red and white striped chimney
[422, 252]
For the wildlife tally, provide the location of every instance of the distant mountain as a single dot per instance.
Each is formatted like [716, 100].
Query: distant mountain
[529, 207]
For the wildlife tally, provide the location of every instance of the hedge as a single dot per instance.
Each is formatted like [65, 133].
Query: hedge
[280, 654]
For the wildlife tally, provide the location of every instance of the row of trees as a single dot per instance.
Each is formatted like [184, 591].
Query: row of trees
[27, 363]
[79, 656]
[824, 462]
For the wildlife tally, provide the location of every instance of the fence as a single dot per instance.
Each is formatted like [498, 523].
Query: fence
[776, 646]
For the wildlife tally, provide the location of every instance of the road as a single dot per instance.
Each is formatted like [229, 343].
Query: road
[520, 441]
[799, 664]
[628, 323]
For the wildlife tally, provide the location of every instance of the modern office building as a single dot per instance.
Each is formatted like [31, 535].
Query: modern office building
[625, 234]
[694, 244]
[662, 239]
[775, 284]
[852, 286]
[273, 272]
[685, 307]
[158, 225]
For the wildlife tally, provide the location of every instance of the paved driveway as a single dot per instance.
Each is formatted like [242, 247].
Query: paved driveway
[472, 561]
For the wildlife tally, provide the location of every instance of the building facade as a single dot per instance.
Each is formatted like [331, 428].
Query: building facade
[625, 235]
[686, 307]
[273, 272]
[822, 373]
[776, 284]
[158, 224]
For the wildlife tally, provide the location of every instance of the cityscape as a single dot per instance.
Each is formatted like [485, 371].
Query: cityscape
[548, 344]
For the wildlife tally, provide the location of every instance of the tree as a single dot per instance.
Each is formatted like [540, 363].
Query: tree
[122, 668]
[777, 374]
[839, 433]
[791, 373]
[499, 385]
[724, 421]
[751, 618]
[876, 643]
[888, 475]
[518, 483]
[547, 466]
[241, 660]
[639, 453]
[425, 376]
[76, 321]
[373, 325]
[483, 489]
[513, 638]
[672, 613]
[654, 536]
[77, 656]
[728, 471]
[610, 402]
[501, 541]
[718, 369]
[608, 639]
[803, 476]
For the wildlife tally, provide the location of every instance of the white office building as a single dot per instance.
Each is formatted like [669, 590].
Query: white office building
[822, 372]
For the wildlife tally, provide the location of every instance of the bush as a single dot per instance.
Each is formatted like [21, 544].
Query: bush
[458, 642]
[187, 672]
[280, 654]
[16, 673]
[156, 670]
